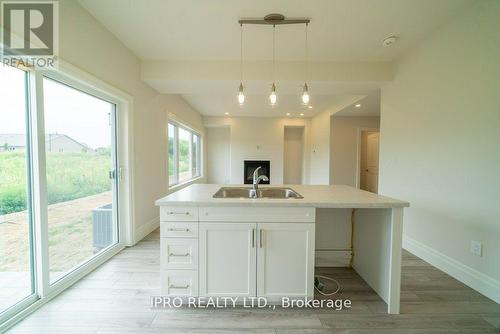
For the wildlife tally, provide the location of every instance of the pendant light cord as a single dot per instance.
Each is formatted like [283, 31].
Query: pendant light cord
[307, 53]
[241, 53]
[274, 54]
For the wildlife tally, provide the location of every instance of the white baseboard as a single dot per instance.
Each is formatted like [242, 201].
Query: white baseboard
[144, 230]
[478, 281]
[332, 258]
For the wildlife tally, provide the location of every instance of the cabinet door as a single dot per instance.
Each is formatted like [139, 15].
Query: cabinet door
[227, 259]
[285, 260]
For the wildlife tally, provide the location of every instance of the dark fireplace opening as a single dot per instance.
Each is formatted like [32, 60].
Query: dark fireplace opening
[251, 165]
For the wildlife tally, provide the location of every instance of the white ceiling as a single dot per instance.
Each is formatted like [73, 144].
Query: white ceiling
[369, 106]
[258, 105]
[207, 31]
[347, 30]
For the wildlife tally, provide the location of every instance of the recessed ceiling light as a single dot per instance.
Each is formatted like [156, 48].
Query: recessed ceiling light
[388, 41]
[288, 114]
[310, 107]
[226, 113]
[301, 114]
[358, 105]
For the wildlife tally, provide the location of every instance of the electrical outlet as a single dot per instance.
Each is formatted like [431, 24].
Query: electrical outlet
[476, 248]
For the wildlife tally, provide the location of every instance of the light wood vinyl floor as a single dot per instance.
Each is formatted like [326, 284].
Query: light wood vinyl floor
[115, 298]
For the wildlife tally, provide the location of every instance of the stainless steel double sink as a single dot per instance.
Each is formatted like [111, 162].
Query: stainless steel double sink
[264, 192]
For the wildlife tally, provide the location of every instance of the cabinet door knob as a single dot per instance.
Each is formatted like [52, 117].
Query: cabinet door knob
[260, 238]
[179, 229]
[253, 238]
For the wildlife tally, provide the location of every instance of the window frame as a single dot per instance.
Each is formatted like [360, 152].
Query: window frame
[196, 169]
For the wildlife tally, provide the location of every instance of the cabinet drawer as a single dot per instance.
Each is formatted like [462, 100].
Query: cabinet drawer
[177, 253]
[178, 213]
[182, 283]
[257, 214]
[178, 230]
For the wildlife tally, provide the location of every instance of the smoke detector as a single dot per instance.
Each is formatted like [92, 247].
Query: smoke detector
[388, 41]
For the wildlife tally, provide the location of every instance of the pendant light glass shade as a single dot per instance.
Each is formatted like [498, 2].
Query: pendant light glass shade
[305, 95]
[273, 98]
[241, 95]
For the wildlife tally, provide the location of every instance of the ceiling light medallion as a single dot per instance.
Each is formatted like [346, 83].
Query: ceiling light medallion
[389, 41]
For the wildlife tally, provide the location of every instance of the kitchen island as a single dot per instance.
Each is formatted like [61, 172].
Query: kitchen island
[264, 247]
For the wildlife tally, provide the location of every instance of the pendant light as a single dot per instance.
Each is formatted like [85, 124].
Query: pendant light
[241, 94]
[305, 91]
[273, 98]
[276, 19]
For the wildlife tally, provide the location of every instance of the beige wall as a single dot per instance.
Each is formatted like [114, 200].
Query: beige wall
[320, 141]
[293, 155]
[86, 44]
[254, 138]
[320, 148]
[344, 146]
[440, 145]
[218, 153]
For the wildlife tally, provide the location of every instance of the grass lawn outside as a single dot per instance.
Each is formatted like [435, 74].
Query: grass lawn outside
[77, 183]
[69, 176]
[70, 235]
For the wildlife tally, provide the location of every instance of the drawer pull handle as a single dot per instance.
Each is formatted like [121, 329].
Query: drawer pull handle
[179, 286]
[178, 213]
[182, 255]
[179, 230]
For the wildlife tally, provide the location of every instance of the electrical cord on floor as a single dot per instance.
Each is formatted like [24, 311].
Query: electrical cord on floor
[353, 213]
[319, 286]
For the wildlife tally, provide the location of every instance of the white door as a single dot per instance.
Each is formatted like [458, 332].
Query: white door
[227, 259]
[285, 260]
[369, 161]
[372, 144]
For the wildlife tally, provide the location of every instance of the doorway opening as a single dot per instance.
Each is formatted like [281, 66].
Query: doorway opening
[368, 159]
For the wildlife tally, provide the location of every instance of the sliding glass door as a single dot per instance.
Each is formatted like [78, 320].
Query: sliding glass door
[16, 230]
[59, 183]
[81, 173]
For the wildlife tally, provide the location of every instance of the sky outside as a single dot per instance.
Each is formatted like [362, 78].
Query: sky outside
[67, 111]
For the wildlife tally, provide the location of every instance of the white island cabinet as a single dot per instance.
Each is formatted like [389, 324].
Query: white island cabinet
[237, 252]
[256, 252]
[214, 247]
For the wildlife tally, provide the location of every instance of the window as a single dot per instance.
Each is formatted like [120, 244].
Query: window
[184, 154]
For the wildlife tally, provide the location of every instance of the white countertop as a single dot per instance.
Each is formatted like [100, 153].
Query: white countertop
[333, 196]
